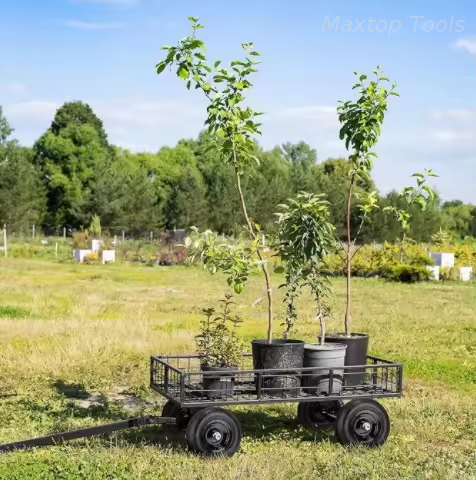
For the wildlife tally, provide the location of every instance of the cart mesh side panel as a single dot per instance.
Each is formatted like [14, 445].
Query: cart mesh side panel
[179, 378]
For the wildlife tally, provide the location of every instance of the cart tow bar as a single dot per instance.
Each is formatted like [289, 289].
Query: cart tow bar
[86, 432]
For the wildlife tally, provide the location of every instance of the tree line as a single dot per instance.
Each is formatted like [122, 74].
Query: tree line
[72, 172]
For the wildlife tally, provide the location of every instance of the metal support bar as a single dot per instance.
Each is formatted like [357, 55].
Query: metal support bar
[86, 432]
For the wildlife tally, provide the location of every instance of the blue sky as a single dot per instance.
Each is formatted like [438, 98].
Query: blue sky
[104, 52]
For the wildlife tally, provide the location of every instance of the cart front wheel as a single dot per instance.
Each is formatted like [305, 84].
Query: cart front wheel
[181, 415]
[214, 432]
[318, 414]
[363, 422]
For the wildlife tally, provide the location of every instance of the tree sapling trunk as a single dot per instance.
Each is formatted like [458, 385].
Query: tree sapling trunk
[349, 259]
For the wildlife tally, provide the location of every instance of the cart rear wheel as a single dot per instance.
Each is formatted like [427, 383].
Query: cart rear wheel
[214, 432]
[318, 414]
[363, 422]
[182, 416]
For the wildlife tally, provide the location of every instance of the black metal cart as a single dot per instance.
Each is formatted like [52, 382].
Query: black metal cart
[196, 399]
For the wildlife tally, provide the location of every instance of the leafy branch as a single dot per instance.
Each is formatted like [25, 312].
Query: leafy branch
[227, 117]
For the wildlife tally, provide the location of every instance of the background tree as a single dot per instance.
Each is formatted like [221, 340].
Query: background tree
[22, 198]
[68, 156]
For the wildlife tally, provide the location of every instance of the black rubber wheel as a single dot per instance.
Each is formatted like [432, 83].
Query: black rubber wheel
[314, 415]
[214, 432]
[363, 422]
[170, 410]
[182, 416]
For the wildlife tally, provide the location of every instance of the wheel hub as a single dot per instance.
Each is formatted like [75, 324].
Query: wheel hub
[366, 426]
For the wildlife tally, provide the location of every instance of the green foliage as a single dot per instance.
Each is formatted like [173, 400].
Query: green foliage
[304, 231]
[459, 219]
[226, 116]
[361, 127]
[22, 196]
[408, 273]
[95, 226]
[68, 155]
[362, 120]
[237, 261]
[420, 196]
[440, 238]
[218, 343]
[304, 237]
[229, 120]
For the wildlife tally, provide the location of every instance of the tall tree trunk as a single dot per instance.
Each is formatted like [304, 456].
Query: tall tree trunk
[264, 265]
[349, 259]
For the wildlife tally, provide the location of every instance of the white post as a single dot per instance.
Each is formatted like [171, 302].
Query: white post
[64, 233]
[151, 236]
[5, 246]
[123, 236]
[263, 239]
[33, 232]
[56, 250]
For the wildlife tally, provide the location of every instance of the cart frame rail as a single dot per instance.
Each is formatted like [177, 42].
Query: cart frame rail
[179, 378]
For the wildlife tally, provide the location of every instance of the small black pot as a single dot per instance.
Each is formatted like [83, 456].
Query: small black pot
[219, 385]
[285, 354]
[356, 354]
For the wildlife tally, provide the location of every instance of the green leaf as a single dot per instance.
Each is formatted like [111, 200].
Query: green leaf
[182, 72]
[193, 19]
[160, 67]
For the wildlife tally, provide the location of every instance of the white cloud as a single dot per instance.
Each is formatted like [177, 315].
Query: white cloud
[321, 113]
[92, 25]
[130, 121]
[468, 44]
[13, 87]
[454, 115]
[454, 138]
[36, 110]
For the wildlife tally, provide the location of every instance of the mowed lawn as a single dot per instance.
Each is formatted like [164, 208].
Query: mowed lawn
[74, 350]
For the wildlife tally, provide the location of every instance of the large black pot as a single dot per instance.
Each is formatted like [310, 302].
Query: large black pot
[282, 354]
[356, 354]
[219, 385]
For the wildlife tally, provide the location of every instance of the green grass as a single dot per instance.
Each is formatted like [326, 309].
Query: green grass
[72, 331]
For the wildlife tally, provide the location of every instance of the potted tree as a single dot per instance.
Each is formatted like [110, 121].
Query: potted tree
[220, 349]
[305, 236]
[233, 125]
[361, 121]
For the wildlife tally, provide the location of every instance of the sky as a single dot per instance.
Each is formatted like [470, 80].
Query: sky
[104, 52]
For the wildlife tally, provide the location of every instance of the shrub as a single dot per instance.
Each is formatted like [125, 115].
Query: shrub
[91, 258]
[408, 273]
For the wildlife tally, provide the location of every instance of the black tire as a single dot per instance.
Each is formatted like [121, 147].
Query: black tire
[214, 432]
[182, 416]
[314, 415]
[363, 422]
[170, 410]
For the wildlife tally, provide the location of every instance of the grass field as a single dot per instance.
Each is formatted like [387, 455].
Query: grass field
[71, 334]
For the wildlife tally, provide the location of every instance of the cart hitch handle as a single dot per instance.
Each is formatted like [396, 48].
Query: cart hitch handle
[86, 432]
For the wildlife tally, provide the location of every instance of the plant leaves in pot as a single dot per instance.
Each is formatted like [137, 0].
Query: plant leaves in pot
[220, 350]
[304, 237]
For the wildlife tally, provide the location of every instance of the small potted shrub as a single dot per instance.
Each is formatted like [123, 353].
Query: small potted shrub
[220, 349]
[232, 126]
[304, 237]
[361, 126]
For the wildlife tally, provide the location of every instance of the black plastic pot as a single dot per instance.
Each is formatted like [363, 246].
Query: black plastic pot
[282, 354]
[356, 354]
[219, 385]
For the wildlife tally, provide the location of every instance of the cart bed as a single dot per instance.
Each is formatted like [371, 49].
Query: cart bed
[179, 378]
